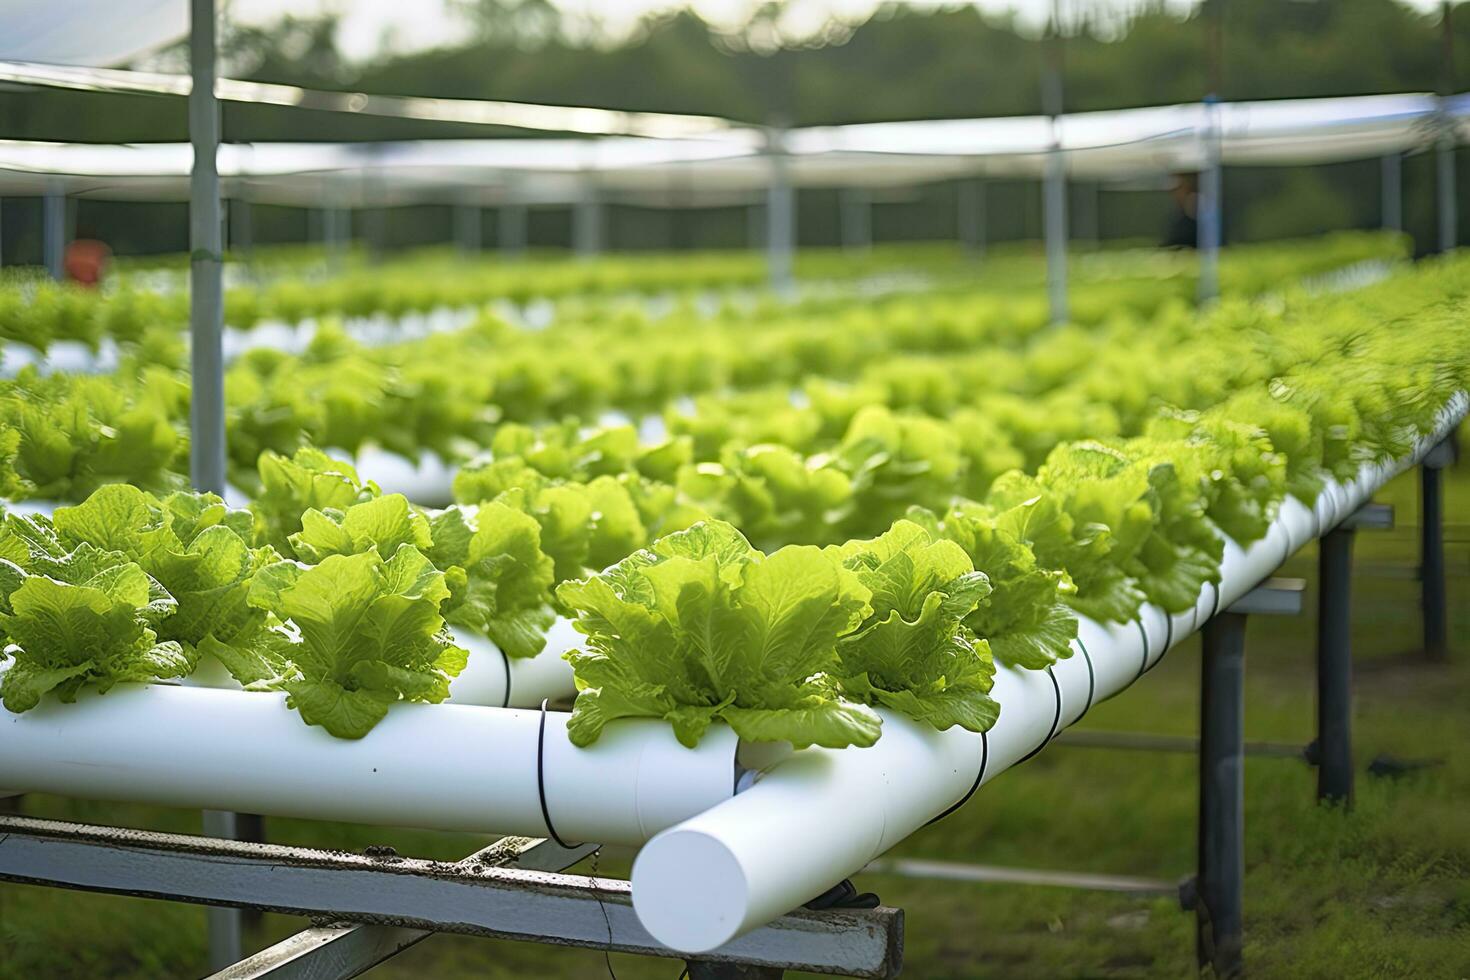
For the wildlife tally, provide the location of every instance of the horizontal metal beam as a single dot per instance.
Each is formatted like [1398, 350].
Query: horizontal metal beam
[986, 873]
[344, 950]
[476, 900]
[1369, 517]
[1147, 742]
[1273, 597]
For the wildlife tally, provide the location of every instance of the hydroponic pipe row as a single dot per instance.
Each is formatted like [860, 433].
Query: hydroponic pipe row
[824, 814]
[442, 767]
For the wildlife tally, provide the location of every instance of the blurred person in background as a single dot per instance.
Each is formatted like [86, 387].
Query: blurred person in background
[86, 260]
[1183, 231]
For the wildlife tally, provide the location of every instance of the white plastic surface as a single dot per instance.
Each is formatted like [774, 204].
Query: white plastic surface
[532, 680]
[442, 766]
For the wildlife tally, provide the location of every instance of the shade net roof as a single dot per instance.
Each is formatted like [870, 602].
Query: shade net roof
[735, 164]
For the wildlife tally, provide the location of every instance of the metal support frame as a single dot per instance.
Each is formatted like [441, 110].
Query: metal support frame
[1434, 599]
[970, 215]
[206, 356]
[587, 222]
[512, 230]
[1335, 666]
[1054, 207]
[53, 230]
[477, 898]
[1447, 206]
[467, 219]
[1208, 207]
[1391, 174]
[1219, 888]
[1054, 180]
[855, 213]
[780, 215]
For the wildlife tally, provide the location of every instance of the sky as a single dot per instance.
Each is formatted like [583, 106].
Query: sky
[373, 27]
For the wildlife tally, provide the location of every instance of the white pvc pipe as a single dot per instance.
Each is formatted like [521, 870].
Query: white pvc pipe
[491, 678]
[824, 814]
[429, 481]
[441, 767]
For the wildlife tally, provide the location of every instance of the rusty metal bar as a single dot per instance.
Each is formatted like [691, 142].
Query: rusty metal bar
[344, 950]
[476, 900]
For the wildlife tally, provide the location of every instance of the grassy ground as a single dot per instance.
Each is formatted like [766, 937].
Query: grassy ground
[1382, 891]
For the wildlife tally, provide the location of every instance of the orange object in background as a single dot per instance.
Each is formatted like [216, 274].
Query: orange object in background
[85, 261]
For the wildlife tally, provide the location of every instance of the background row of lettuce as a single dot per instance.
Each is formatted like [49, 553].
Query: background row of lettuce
[337, 593]
[37, 312]
[69, 434]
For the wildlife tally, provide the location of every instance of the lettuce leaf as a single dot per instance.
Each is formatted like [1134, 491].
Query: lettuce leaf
[703, 627]
[1025, 618]
[308, 480]
[193, 545]
[913, 652]
[77, 616]
[506, 582]
[360, 634]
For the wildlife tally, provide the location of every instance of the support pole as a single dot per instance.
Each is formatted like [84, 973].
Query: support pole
[780, 215]
[1444, 157]
[855, 206]
[755, 225]
[1208, 206]
[1444, 160]
[1054, 190]
[587, 220]
[53, 230]
[467, 227]
[1221, 795]
[1431, 556]
[1391, 171]
[1335, 667]
[970, 216]
[513, 219]
[206, 359]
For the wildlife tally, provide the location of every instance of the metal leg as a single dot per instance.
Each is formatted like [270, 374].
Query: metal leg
[1221, 795]
[226, 944]
[1335, 668]
[1431, 561]
[53, 230]
[780, 216]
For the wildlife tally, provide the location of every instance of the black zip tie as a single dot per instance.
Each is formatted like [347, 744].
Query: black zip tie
[1143, 667]
[843, 895]
[1216, 610]
[979, 777]
[1056, 718]
[1091, 679]
[1168, 639]
[505, 663]
[541, 780]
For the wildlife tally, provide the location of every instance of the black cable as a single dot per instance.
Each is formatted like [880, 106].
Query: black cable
[541, 781]
[597, 892]
[843, 895]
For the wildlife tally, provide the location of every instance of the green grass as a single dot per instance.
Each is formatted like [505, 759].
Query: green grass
[1381, 891]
